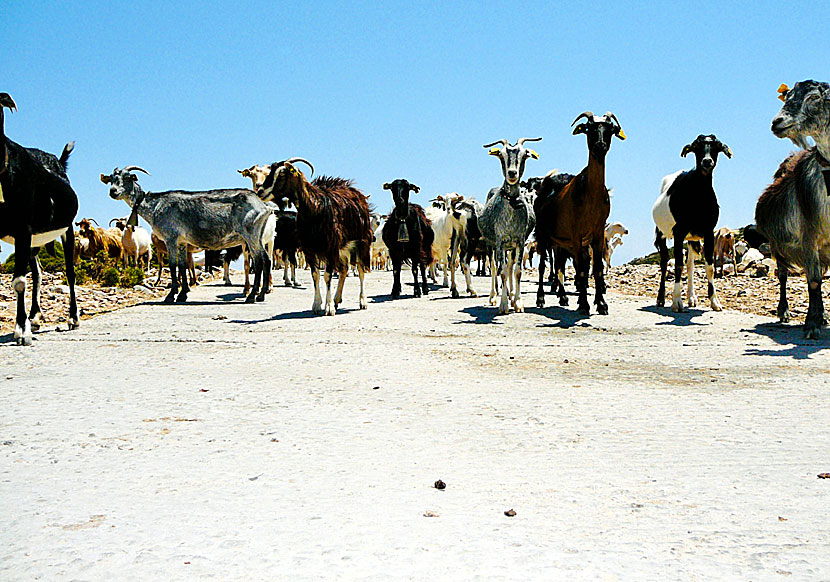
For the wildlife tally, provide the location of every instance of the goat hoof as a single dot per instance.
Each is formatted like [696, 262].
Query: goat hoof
[584, 310]
[228, 283]
[454, 293]
[182, 297]
[784, 316]
[170, 298]
[24, 341]
[602, 309]
[812, 331]
[250, 298]
[73, 323]
[540, 303]
[519, 307]
[260, 298]
[563, 301]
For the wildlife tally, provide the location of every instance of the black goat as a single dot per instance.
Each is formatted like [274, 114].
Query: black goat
[687, 209]
[37, 205]
[408, 235]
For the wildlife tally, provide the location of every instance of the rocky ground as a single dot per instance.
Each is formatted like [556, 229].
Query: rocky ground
[746, 293]
[92, 299]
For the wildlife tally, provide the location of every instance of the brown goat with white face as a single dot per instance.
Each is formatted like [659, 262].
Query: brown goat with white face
[257, 174]
[99, 239]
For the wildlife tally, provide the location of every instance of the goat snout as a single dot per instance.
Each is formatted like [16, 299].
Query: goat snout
[779, 125]
[512, 176]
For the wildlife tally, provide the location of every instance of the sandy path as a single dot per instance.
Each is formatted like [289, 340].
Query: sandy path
[272, 445]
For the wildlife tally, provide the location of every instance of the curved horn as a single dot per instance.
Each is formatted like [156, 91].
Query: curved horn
[306, 162]
[7, 101]
[503, 142]
[95, 221]
[524, 139]
[132, 168]
[610, 115]
[589, 115]
[113, 220]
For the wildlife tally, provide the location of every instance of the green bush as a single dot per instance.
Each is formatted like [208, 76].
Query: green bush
[110, 277]
[131, 276]
[48, 263]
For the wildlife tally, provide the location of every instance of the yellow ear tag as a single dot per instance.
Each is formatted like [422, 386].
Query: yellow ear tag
[622, 133]
[533, 154]
[494, 151]
[783, 89]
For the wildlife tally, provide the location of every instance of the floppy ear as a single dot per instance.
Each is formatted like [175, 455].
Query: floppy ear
[686, 149]
[495, 152]
[387, 186]
[620, 133]
[580, 128]
[532, 154]
[105, 179]
[782, 91]
[414, 188]
[725, 149]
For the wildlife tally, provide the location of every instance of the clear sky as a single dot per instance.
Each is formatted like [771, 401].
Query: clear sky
[377, 91]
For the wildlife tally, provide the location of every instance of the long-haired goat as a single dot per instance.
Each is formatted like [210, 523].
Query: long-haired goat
[408, 235]
[333, 226]
[37, 205]
[572, 217]
[794, 211]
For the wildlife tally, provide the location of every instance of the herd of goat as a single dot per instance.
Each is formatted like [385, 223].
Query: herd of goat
[329, 220]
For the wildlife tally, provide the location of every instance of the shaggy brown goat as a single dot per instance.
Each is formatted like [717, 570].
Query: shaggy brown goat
[108, 240]
[333, 226]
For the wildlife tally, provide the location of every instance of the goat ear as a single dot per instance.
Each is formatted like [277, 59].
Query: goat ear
[686, 149]
[580, 128]
[495, 152]
[783, 89]
[387, 186]
[105, 179]
[725, 149]
[620, 133]
[532, 154]
[414, 188]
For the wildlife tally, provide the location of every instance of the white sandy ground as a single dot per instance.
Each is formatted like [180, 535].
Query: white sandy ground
[639, 446]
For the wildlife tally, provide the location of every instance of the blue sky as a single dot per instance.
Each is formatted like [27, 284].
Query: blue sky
[373, 92]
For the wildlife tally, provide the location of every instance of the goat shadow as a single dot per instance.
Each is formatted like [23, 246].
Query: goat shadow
[684, 318]
[565, 317]
[791, 336]
[481, 314]
[291, 315]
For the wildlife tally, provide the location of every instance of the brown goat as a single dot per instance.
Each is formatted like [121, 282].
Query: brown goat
[724, 248]
[333, 226]
[571, 217]
[99, 239]
[161, 250]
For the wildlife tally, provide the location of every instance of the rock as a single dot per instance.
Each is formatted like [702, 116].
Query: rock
[63, 289]
[142, 289]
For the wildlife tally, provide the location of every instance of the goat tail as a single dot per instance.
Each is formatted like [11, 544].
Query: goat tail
[67, 150]
[269, 231]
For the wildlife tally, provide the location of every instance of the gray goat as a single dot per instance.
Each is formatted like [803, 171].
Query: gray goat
[506, 221]
[794, 211]
[212, 219]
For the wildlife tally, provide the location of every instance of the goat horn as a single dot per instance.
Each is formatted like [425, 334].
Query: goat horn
[113, 220]
[524, 139]
[610, 115]
[7, 101]
[306, 162]
[132, 168]
[589, 115]
[503, 142]
[95, 221]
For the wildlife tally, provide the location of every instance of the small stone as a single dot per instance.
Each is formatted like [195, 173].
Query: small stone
[63, 289]
[510, 513]
[440, 485]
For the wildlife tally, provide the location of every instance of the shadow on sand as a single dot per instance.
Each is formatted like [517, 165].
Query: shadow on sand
[790, 336]
[671, 318]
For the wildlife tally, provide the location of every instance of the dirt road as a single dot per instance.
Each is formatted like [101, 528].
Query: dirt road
[222, 441]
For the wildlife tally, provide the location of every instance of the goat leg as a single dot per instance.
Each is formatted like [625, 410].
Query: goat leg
[504, 274]
[69, 261]
[783, 272]
[516, 265]
[662, 249]
[815, 310]
[540, 291]
[599, 278]
[396, 277]
[416, 289]
[317, 305]
[35, 315]
[708, 256]
[181, 252]
[677, 299]
[581, 281]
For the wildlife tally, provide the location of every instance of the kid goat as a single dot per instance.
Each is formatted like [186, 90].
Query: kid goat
[687, 209]
[37, 205]
[333, 226]
[408, 235]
